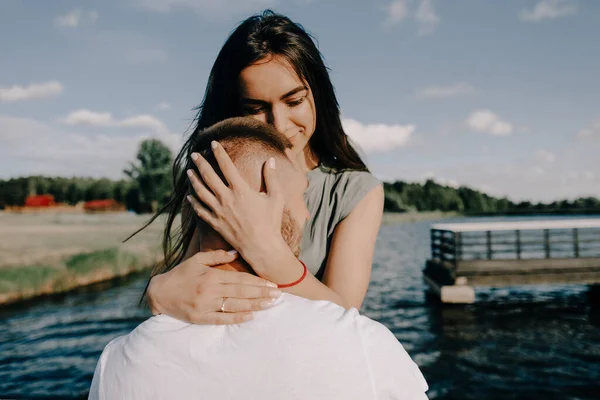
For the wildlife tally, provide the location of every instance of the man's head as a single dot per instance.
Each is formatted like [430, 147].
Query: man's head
[250, 143]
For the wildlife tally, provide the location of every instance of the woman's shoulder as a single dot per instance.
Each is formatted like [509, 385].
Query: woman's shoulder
[344, 179]
[342, 188]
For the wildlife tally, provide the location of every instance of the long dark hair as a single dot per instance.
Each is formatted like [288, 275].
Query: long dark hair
[260, 36]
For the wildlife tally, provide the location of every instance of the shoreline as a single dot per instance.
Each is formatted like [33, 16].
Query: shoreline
[22, 283]
[71, 254]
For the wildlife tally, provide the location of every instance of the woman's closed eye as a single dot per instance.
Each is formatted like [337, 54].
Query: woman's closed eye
[296, 102]
[254, 110]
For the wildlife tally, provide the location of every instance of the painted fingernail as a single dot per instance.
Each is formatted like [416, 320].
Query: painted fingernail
[194, 156]
[274, 293]
[271, 284]
[189, 173]
[233, 252]
[247, 317]
[266, 303]
[272, 163]
[213, 144]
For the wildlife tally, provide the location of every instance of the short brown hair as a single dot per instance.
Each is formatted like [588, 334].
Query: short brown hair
[239, 136]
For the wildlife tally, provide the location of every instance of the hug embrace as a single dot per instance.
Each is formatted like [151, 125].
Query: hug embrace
[258, 292]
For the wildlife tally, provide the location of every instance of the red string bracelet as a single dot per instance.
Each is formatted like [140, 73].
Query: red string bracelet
[287, 285]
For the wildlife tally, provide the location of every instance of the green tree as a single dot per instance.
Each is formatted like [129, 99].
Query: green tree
[151, 173]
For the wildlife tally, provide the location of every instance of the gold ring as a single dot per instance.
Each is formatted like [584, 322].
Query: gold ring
[223, 305]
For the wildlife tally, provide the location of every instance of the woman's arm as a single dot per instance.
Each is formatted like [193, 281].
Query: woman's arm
[350, 257]
[349, 260]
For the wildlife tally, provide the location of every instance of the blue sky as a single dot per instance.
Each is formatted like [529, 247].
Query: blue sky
[503, 96]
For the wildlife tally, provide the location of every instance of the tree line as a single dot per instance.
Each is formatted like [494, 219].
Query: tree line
[149, 185]
[431, 196]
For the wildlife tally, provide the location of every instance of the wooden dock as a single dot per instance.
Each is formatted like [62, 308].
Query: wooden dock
[466, 255]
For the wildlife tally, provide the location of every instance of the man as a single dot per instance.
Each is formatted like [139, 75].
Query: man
[298, 349]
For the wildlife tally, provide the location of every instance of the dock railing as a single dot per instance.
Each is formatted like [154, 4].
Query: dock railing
[452, 242]
[464, 255]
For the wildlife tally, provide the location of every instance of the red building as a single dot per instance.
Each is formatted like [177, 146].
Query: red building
[103, 205]
[42, 200]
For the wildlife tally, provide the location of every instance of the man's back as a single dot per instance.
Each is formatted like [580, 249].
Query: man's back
[299, 349]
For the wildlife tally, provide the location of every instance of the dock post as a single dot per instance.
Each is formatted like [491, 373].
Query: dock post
[459, 293]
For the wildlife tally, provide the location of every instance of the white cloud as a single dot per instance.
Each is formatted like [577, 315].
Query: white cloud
[424, 15]
[548, 9]
[397, 12]
[74, 18]
[32, 147]
[91, 118]
[537, 170]
[207, 7]
[377, 137]
[440, 92]
[426, 18]
[93, 16]
[591, 131]
[588, 175]
[487, 122]
[163, 105]
[545, 156]
[32, 92]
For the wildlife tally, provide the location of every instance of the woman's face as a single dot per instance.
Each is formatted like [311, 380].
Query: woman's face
[273, 93]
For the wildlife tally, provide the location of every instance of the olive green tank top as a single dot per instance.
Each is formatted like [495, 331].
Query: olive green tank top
[330, 197]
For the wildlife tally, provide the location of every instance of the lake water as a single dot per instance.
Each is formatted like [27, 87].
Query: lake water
[514, 343]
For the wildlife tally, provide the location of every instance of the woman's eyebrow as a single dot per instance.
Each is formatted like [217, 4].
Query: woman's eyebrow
[293, 91]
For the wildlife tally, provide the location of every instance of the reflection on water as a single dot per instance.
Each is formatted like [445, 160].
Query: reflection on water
[514, 343]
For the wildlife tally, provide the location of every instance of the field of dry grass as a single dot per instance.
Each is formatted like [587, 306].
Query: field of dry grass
[47, 253]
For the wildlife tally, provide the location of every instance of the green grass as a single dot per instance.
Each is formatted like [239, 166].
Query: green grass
[114, 259]
[14, 279]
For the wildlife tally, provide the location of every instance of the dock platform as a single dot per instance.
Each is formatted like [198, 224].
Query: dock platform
[493, 254]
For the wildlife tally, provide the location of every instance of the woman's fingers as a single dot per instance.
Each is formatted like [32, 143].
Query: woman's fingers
[202, 211]
[209, 176]
[243, 278]
[217, 257]
[229, 170]
[204, 194]
[271, 181]
[248, 292]
[233, 305]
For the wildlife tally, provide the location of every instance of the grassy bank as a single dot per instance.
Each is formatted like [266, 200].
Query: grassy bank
[53, 253]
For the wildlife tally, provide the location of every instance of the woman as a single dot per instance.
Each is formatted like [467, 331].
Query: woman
[270, 69]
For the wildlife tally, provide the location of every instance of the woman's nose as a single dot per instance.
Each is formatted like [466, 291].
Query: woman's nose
[280, 119]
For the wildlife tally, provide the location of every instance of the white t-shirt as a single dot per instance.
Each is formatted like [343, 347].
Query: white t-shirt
[298, 349]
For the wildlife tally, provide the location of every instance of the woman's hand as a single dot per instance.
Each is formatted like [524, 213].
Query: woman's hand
[248, 220]
[194, 291]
